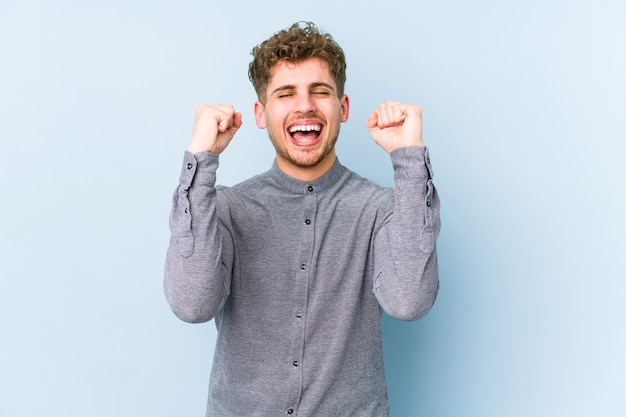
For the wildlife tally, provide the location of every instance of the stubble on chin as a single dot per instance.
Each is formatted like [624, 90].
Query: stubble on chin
[306, 158]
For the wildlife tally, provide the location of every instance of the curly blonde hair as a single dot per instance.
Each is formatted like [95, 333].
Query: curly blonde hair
[301, 41]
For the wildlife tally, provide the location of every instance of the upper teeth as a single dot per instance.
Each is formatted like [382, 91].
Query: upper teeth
[305, 128]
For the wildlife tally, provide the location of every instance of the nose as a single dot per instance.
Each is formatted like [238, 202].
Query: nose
[304, 104]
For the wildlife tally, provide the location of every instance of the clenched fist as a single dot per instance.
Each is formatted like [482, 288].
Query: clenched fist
[395, 125]
[214, 128]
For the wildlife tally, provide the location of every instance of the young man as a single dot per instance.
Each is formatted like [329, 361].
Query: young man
[296, 263]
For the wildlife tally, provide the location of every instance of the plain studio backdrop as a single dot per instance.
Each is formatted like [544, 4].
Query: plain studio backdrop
[524, 105]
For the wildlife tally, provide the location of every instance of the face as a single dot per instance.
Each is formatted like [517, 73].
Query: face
[302, 113]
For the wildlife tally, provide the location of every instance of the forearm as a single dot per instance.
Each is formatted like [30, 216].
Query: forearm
[407, 278]
[197, 273]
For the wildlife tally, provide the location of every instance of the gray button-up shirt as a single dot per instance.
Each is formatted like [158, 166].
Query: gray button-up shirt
[295, 275]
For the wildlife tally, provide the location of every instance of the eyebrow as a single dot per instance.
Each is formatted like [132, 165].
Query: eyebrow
[321, 84]
[282, 88]
[293, 87]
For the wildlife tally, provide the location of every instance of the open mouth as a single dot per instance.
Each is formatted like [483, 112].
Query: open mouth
[305, 134]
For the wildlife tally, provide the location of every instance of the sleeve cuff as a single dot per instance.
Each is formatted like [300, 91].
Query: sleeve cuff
[411, 162]
[199, 168]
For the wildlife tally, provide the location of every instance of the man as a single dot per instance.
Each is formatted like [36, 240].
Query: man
[296, 263]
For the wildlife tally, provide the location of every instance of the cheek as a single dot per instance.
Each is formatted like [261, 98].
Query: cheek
[273, 124]
[275, 119]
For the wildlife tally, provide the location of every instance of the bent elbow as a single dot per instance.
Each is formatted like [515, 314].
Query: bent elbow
[412, 312]
[191, 316]
[412, 309]
[190, 309]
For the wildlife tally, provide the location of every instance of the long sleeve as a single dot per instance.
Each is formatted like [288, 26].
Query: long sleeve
[405, 256]
[199, 258]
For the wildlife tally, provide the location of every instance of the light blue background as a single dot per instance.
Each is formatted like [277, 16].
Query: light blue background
[524, 106]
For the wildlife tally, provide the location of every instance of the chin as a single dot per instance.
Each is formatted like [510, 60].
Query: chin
[310, 159]
[306, 162]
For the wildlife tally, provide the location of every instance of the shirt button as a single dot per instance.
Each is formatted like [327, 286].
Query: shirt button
[299, 314]
[296, 363]
[307, 221]
[428, 203]
[303, 267]
[290, 411]
[310, 188]
[189, 166]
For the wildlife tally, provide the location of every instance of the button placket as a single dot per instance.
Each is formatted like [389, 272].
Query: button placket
[301, 283]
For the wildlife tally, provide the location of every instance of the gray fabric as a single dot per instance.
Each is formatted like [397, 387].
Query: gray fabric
[295, 275]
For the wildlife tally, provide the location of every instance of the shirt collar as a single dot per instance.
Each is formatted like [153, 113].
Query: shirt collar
[326, 181]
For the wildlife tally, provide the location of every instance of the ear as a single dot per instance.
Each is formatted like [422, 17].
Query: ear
[345, 108]
[259, 115]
